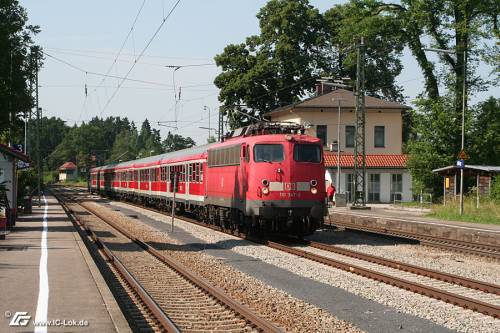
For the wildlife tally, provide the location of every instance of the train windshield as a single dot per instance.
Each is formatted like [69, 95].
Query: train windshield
[268, 153]
[307, 153]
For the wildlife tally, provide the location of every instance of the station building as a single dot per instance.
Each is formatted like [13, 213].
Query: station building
[387, 175]
[68, 171]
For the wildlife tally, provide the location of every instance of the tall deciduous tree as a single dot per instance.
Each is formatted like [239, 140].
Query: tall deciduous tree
[295, 46]
[16, 65]
[174, 142]
[276, 67]
[485, 133]
[453, 25]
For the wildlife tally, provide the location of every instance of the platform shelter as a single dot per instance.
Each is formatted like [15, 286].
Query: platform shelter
[9, 158]
[451, 176]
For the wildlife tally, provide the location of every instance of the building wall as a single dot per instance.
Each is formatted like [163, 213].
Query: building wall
[7, 176]
[68, 175]
[390, 119]
[385, 182]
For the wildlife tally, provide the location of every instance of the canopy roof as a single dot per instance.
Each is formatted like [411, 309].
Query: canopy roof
[13, 153]
[68, 166]
[452, 169]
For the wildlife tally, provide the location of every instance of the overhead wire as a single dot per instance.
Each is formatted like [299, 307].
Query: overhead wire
[103, 74]
[108, 102]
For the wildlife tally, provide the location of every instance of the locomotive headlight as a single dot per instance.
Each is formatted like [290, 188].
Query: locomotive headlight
[265, 190]
[314, 190]
[314, 183]
[265, 182]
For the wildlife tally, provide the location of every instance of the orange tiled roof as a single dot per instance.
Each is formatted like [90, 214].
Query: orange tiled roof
[68, 166]
[372, 161]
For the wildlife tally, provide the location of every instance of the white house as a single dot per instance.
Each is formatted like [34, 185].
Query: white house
[387, 177]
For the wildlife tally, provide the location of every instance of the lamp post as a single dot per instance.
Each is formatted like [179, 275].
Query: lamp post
[464, 100]
[209, 127]
[339, 100]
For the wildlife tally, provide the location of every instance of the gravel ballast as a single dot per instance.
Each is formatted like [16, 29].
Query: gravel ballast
[273, 304]
[439, 312]
[470, 266]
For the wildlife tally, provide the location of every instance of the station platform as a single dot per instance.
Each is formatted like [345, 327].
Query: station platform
[48, 275]
[414, 221]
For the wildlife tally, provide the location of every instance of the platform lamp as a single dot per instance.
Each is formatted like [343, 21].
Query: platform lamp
[464, 102]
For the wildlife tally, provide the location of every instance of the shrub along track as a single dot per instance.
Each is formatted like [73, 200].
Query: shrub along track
[178, 299]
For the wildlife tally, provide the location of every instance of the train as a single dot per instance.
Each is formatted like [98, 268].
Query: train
[264, 177]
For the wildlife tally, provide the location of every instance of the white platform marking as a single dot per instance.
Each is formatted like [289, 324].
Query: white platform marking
[43, 291]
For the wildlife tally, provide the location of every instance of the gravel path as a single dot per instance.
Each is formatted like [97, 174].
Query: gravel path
[273, 304]
[470, 266]
[439, 312]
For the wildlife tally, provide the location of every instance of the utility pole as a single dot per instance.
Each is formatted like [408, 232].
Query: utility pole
[359, 142]
[338, 149]
[221, 126]
[38, 121]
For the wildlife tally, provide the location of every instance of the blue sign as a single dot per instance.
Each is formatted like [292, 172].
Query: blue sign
[460, 164]
[19, 147]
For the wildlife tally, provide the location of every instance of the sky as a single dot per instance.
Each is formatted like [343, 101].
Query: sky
[81, 38]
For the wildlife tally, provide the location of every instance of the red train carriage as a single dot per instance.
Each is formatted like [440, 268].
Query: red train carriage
[255, 180]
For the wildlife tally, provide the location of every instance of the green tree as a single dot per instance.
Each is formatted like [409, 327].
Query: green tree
[174, 142]
[124, 147]
[16, 65]
[276, 67]
[52, 132]
[149, 140]
[295, 46]
[485, 133]
[430, 147]
[445, 24]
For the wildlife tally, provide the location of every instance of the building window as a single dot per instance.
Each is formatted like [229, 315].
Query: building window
[321, 134]
[349, 185]
[396, 186]
[374, 187]
[379, 136]
[349, 136]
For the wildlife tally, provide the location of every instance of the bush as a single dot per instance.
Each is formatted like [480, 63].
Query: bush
[27, 183]
[495, 189]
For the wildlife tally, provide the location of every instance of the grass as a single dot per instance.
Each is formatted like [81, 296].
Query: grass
[488, 212]
[77, 182]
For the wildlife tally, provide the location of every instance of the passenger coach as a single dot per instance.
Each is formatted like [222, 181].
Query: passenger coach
[257, 179]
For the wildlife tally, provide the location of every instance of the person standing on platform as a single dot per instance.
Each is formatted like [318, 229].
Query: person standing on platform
[330, 192]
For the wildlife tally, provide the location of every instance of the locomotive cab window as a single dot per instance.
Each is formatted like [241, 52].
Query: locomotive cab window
[268, 153]
[307, 153]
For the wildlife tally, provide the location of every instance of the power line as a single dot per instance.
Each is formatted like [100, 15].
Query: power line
[123, 44]
[84, 51]
[140, 55]
[102, 74]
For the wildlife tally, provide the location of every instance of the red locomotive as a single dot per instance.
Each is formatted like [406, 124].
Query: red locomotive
[266, 176]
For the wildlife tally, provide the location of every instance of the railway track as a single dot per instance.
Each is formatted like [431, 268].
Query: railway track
[174, 298]
[483, 250]
[467, 293]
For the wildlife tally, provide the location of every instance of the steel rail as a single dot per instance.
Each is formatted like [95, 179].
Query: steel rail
[216, 292]
[155, 309]
[459, 300]
[463, 301]
[442, 276]
[484, 250]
